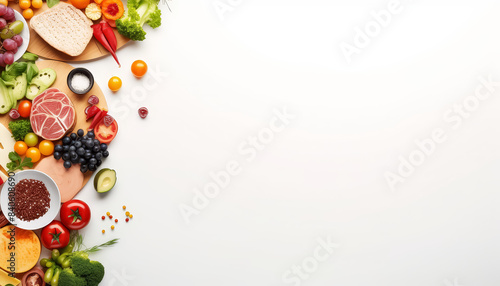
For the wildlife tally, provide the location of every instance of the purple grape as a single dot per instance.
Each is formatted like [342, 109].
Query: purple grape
[18, 39]
[9, 15]
[3, 23]
[2, 63]
[14, 51]
[3, 9]
[8, 58]
[9, 44]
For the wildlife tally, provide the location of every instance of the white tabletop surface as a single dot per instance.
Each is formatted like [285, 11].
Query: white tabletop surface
[309, 202]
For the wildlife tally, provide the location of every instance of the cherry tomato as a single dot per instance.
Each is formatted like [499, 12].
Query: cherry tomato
[75, 214]
[34, 154]
[46, 147]
[20, 147]
[80, 4]
[31, 139]
[28, 14]
[24, 4]
[37, 4]
[115, 83]
[4, 2]
[55, 235]
[105, 134]
[24, 108]
[139, 68]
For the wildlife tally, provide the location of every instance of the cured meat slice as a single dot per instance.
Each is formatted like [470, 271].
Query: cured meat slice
[52, 114]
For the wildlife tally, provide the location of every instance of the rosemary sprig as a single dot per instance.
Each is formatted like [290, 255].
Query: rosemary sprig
[100, 246]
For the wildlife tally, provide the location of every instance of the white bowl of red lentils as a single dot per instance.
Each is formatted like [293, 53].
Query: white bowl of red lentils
[30, 199]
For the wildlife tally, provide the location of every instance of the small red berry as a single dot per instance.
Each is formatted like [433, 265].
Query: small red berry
[108, 120]
[110, 217]
[126, 219]
[93, 100]
[103, 217]
[14, 114]
[116, 220]
[143, 112]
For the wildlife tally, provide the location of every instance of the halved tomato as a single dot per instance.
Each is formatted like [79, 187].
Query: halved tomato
[105, 134]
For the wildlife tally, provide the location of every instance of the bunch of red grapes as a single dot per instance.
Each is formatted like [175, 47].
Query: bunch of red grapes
[9, 35]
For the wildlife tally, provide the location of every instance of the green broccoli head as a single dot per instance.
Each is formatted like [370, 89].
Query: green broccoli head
[97, 274]
[68, 278]
[91, 271]
[139, 12]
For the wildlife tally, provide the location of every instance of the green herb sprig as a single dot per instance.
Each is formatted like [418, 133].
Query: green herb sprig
[18, 163]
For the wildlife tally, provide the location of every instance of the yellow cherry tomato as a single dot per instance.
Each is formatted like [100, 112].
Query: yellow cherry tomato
[139, 68]
[4, 2]
[37, 4]
[20, 147]
[24, 4]
[115, 83]
[46, 147]
[28, 13]
[34, 154]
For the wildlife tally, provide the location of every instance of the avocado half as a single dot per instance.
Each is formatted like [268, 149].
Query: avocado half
[104, 180]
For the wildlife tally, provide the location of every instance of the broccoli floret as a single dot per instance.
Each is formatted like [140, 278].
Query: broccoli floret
[139, 12]
[91, 271]
[97, 274]
[81, 266]
[68, 278]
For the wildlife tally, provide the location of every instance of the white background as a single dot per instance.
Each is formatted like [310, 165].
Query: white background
[323, 176]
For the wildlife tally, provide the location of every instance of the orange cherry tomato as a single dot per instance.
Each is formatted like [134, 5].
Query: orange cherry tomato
[37, 4]
[20, 147]
[139, 68]
[24, 108]
[34, 154]
[28, 14]
[80, 4]
[115, 83]
[46, 147]
[4, 2]
[24, 4]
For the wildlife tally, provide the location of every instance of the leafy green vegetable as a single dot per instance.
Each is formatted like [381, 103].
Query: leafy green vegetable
[52, 3]
[31, 71]
[17, 163]
[20, 128]
[139, 12]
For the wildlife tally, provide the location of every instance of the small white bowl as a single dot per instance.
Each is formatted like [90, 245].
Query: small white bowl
[25, 34]
[55, 200]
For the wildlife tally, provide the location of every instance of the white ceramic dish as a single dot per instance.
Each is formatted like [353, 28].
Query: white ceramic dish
[55, 199]
[25, 34]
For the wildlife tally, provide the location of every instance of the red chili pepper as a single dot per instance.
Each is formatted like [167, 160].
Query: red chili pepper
[99, 35]
[92, 111]
[109, 34]
[97, 118]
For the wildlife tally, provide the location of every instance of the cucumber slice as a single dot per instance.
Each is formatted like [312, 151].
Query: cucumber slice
[20, 87]
[5, 98]
[105, 180]
[41, 82]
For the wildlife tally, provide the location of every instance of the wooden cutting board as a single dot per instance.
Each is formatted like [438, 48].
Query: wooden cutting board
[38, 45]
[79, 101]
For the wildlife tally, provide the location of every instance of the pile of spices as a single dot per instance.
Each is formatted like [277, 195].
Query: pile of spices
[32, 199]
[80, 82]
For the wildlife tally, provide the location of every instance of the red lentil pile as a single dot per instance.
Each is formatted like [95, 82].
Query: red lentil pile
[32, 199]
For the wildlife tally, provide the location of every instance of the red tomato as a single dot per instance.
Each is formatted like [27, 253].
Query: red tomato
[55, 235]
[75, 214]
[105, 133]
[24, 108]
